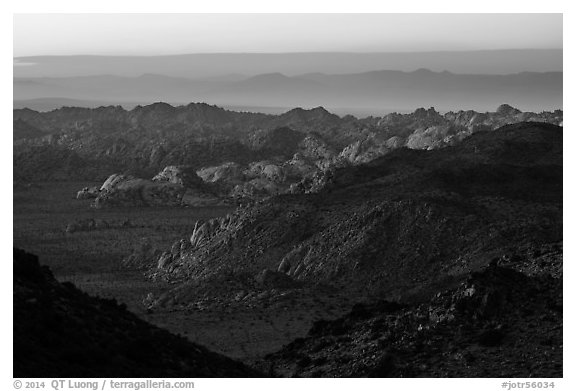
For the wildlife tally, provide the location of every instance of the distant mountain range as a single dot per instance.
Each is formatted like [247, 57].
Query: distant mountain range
[205, 65]
[374, 92]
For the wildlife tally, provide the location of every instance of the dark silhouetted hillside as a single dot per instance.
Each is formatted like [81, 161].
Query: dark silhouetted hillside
[498, 323]
[60, 331]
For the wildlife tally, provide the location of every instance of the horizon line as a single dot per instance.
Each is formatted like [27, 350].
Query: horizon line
[288, 53]
[284, 74]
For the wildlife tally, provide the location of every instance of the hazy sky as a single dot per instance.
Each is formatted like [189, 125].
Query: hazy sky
[158, 34]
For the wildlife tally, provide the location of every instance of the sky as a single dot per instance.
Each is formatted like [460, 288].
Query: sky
[165, 34]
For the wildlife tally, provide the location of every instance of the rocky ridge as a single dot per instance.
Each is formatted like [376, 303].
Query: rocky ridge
[92, 143]
[396, 227]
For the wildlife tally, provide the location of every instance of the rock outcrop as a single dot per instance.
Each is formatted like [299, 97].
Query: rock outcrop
[227, 174]
[180, 175]
[174, 186]
[363, 151]
[88, 193]
[141, 192]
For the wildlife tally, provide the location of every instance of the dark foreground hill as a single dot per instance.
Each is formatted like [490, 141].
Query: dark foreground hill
[498, 323]
[60, 331]
[400, 227]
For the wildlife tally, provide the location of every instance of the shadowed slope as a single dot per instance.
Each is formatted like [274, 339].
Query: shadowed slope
[60, 331]
[499, 323]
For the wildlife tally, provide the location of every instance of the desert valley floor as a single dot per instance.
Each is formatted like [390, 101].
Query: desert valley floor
[92, 261]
